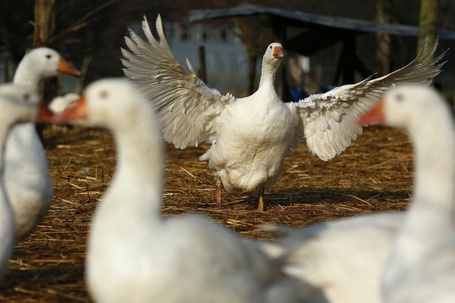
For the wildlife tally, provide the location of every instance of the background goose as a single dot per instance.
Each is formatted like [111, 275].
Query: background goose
[133, 254]
[60, 103]
[422, 262]
[27, 179]
[18, 103]
[251, 136]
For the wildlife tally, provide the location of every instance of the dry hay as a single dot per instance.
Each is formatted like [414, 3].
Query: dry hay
[374, 174]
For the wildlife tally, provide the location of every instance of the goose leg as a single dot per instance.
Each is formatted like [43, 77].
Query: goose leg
[261, 200]
[218, 192]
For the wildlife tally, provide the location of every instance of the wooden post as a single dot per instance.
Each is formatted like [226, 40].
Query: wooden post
[43, 9]
[428, 21]
[382, 39]
[202, 64]
[43, 14]
[345, 70]
[252, 59]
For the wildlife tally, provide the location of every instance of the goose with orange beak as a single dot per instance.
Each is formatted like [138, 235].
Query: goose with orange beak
[19, 104]
[27, 179]
[421, 261]
[393, 257]
[131, 246]
[251, 136]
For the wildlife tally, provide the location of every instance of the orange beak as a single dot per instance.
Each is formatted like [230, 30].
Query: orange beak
[278, 52]
[44, 114]
[374, 116]
[77, 112]
[64, 68]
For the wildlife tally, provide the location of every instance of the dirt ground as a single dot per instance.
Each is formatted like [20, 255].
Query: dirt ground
[374, 174]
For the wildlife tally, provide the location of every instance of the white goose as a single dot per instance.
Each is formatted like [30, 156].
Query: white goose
[27, 179]
[251, 136]
[346, 259]
[422, 262]
[18, 103]
[133, 254]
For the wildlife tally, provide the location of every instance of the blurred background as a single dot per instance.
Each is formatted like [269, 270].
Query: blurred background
[327, 42]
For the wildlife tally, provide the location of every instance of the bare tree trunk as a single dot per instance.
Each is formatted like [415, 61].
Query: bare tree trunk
[382, 39]
[48, 87]
[43, 10]
[43, 15]
[428, 22]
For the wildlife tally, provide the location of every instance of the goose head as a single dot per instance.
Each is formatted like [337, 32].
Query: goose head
[18, 103]
[107, 103]
[41, 63]
[407, 107]
[273, 54]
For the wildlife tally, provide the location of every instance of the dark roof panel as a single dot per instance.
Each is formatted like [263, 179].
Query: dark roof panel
[334, 22]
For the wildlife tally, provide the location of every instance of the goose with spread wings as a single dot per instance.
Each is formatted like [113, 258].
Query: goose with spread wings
[251, 136]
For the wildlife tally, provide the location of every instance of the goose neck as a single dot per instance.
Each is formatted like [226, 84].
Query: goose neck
[140, 169]
[268, 74]
[25, 74]
[434, 188]
[431, 215]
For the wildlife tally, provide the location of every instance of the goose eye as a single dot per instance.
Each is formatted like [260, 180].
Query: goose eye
[399, 97]
[48, 56]
[270, 47]
[104, 94]
[26, 97]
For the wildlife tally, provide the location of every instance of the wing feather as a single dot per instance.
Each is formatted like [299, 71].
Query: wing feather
[187, 109]
[329, 120]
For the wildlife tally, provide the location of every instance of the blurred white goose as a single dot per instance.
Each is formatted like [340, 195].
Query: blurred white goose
[133, 254]
[251, 136]
[27, 179]
[18, 103]
[346, 259]
[431, 280]
[421, 267]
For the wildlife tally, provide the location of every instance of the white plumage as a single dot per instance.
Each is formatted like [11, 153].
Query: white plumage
[60, 103]
[27, 179]
[251, 136]
[347, 259]
[136, 256]
[422, 262]
[19, 103]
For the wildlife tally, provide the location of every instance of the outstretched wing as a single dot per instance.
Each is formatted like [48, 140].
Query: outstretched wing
[329, 121]
[186, 107]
